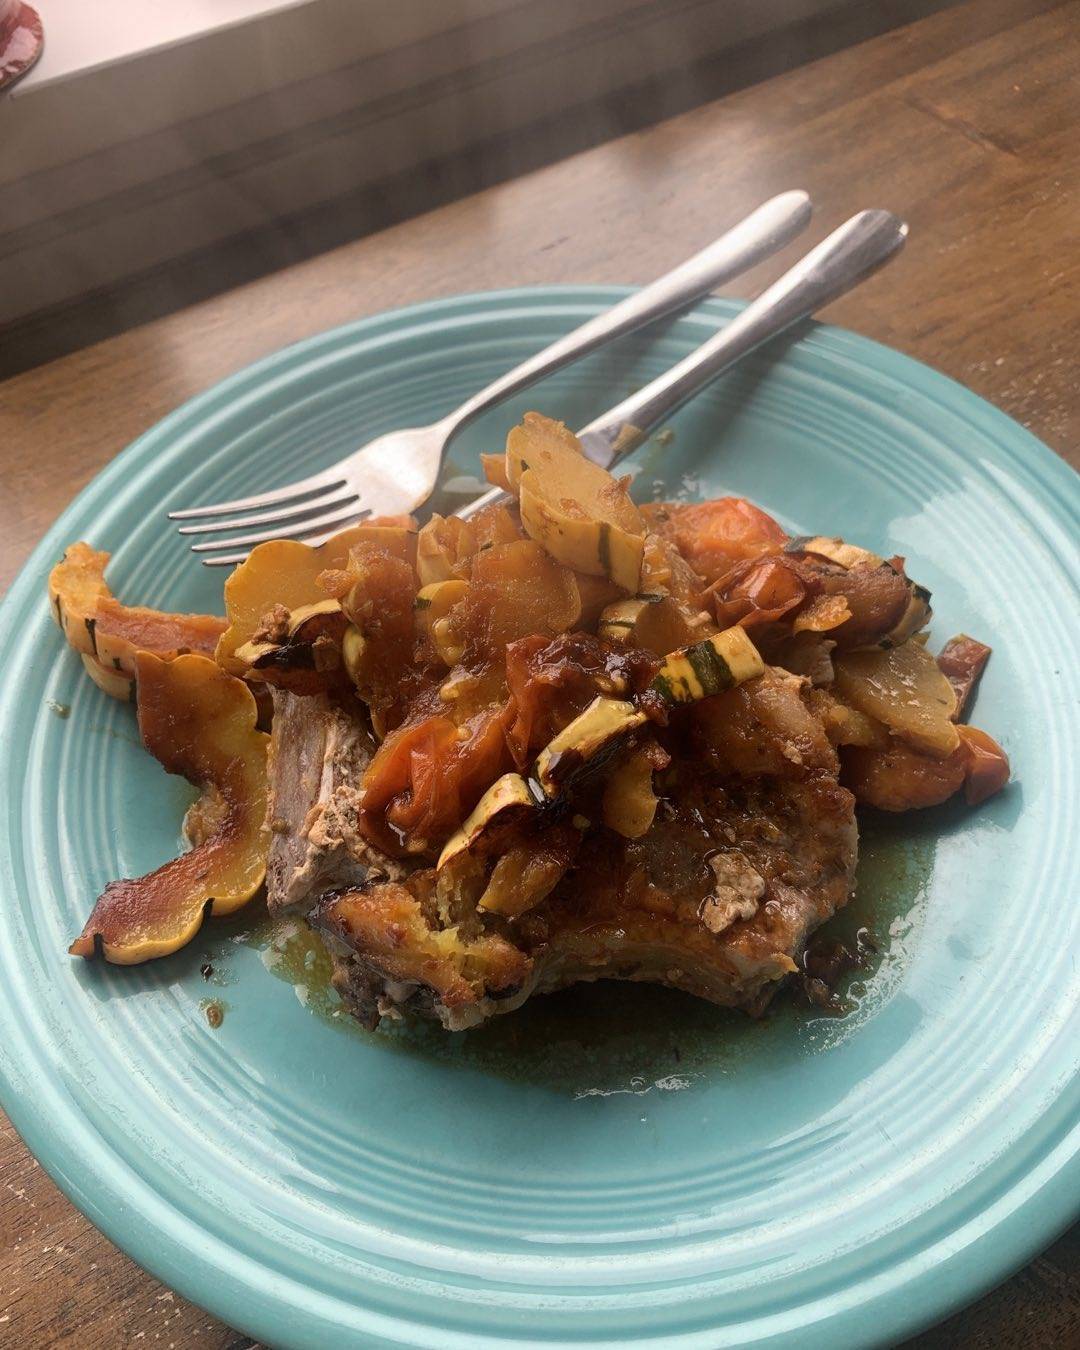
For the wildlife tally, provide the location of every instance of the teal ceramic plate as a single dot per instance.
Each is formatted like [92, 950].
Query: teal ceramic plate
[615, 1166]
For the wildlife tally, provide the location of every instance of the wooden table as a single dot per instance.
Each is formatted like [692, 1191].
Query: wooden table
[967, 122]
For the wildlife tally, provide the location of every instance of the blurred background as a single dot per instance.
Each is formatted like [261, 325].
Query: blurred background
[161, 151]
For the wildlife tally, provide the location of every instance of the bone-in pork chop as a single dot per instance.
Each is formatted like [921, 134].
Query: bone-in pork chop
[753, 847]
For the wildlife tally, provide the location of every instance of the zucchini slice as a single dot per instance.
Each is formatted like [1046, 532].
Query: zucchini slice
[708, 667]
[589, 740]
[504, 805]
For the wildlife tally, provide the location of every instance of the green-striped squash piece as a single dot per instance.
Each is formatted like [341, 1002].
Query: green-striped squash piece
[918, 612]
[656, 622]
[435, 602]
[708, 667]
[509, 801]
[836, 550]
[586, 742]
[581, 514]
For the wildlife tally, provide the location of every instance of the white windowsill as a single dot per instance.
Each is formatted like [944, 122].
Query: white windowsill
[86, 35]
[175, 126]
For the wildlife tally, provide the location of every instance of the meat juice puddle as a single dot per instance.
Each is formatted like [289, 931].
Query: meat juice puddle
[622, 1038]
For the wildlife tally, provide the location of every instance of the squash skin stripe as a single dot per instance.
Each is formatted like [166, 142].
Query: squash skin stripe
[587, 740]
[604, 547]
[711, 669]
[708, 667]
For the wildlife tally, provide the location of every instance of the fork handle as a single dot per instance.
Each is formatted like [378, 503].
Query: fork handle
[847, 256]
[843, 259]
[755, 238]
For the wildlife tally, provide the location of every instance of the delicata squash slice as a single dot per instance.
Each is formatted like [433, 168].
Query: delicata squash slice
[76, 584]
[903, 688]
[581, 514]
[284, 576]
[655, 622]
[299, 649]
[109, 635]
[198, 721]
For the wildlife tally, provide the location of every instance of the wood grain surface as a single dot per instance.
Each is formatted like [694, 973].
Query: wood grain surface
[967, 122]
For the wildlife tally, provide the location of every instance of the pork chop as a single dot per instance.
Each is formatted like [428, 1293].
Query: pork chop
[753, 847]
[319, 750]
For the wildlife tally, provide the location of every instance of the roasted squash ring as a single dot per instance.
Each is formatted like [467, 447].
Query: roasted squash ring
[200, 723]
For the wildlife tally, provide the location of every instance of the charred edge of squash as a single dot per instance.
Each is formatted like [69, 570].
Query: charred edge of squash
[435, 965]
[280, 571]
[586, 744]
[311, 648]
[199, 722]
[508, 803]
[915, 617]
[835, 550]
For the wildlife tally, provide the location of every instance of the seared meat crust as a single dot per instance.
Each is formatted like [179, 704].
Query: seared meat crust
[753, 847]
[718, 899]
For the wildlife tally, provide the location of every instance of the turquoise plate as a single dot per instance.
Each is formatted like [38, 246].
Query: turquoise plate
[612, 1166]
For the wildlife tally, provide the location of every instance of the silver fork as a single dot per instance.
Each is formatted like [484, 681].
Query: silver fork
[844, 258]
[395, 473]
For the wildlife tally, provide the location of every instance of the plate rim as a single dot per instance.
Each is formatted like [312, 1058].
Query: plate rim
[1016, 1237]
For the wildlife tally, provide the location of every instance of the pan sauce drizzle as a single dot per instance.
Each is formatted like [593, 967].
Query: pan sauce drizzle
[613, 1038]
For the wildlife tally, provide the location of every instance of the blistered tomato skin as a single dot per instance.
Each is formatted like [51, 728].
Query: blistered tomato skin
[715, 536]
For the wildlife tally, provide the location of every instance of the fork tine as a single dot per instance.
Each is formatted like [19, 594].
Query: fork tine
[324, 503]
[227, 559]
[302, 527]
[231, 559]
[304, 488]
